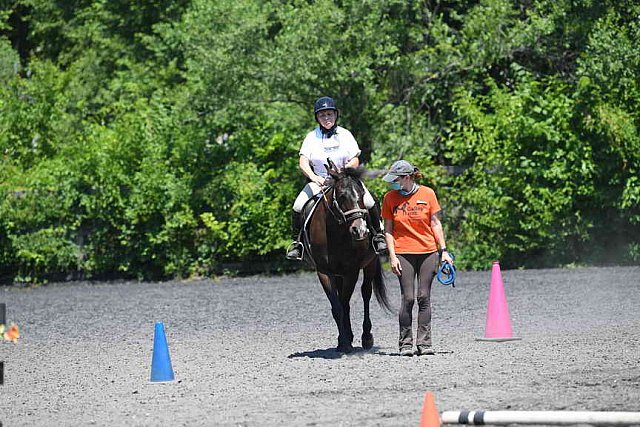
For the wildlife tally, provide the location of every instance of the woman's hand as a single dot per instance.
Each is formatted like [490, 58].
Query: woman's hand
[307, 170]
[396, 268]
[445, 257]
[319, 180]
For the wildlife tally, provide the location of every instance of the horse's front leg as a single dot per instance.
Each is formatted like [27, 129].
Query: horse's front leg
[367, 289]
[345, 288]
[331, 287]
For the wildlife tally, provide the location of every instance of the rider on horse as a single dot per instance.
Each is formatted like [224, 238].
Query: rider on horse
[329, 140]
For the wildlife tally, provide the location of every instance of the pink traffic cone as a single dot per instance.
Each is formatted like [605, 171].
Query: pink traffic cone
[498, 326]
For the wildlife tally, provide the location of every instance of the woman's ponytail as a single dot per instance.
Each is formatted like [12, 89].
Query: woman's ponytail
[416, 175]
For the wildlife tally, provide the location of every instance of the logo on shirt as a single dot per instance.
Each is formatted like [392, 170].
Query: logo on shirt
[402, 208]
[411, 211]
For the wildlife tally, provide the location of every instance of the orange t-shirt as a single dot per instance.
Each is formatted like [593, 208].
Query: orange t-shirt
[411, 216]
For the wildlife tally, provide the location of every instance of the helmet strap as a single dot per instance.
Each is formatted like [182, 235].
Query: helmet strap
[328, 133]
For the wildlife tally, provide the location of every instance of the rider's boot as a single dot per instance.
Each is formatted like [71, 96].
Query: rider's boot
[295, 249]
[377, 240]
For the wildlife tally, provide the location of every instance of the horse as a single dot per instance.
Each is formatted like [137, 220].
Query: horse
[338, 246]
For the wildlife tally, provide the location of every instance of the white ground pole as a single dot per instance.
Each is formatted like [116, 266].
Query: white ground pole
[540, 417]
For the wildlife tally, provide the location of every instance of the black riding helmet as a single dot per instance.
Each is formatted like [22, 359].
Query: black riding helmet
[326, 103]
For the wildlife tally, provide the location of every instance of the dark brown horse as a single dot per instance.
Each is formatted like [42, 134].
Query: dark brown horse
[339, 247]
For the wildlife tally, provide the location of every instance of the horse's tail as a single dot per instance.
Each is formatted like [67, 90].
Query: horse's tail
[379, 287]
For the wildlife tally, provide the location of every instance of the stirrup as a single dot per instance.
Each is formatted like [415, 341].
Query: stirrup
[295, 246]
[379, 244]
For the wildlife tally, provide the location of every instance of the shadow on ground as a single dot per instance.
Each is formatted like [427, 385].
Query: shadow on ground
[332, 353]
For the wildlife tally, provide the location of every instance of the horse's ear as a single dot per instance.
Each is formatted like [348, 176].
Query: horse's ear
[332, 169]
[332, 172]
[332, 166]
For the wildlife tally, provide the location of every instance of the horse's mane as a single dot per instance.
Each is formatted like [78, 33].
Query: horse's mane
[354, 172]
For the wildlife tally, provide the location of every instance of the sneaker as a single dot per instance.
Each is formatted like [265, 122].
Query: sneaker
[406, 351]
[424, 350]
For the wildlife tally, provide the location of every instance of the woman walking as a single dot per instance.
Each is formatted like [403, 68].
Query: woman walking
[414, 234]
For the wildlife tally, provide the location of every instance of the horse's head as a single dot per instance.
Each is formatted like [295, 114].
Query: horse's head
[348, 200]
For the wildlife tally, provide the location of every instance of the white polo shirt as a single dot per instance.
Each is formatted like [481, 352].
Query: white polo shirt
[340, 148]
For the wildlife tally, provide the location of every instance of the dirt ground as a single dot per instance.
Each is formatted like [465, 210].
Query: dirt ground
[259, 351]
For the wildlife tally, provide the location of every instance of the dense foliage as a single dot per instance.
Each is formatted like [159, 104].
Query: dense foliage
[160, 139]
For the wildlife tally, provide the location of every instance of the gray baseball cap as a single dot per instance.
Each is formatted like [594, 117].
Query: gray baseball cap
[398, 168]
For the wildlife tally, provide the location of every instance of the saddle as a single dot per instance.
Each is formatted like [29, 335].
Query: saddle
[307, 212]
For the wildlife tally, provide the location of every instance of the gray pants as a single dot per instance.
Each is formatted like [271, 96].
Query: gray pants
[424, 267]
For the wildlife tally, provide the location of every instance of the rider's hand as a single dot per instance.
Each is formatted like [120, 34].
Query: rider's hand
[446, 257]
[396, 268]
[319, 180]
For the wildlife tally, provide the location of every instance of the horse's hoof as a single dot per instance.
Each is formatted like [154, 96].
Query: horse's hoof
[367, 342]
[344, 349]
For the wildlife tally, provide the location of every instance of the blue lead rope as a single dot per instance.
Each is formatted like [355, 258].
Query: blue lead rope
[447, 273]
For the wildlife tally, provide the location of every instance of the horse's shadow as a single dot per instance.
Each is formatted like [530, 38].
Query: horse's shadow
[332, 353]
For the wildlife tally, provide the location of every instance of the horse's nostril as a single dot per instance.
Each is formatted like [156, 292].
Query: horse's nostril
[358, 232]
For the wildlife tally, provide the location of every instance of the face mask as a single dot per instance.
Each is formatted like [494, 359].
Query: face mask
[408, 193]
[395, 186]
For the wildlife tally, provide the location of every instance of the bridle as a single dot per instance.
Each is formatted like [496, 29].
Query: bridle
[343, 217]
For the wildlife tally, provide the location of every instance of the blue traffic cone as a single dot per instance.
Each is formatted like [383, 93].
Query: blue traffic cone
[161, 370]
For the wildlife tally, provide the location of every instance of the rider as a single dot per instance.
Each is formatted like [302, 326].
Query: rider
[329, 140]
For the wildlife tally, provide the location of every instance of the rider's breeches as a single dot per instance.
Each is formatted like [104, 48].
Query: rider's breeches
[311, 189]
[423, 267]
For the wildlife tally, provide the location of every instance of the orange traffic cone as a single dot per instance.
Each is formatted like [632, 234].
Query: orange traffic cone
[498, 326]
[430, 415]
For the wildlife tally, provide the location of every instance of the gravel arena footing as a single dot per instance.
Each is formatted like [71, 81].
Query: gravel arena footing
[258, 351]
